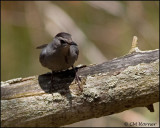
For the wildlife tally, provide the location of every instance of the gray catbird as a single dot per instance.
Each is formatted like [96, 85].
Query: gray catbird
[60, 54]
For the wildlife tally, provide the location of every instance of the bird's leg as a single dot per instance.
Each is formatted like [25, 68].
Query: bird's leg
[51, 87]
[77, 79]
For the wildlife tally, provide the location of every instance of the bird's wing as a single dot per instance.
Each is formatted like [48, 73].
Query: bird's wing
[41, 46]
[77, 52]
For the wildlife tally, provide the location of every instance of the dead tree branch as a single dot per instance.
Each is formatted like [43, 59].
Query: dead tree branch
[111, 87]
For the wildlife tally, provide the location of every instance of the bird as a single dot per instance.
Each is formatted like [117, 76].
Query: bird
[60, 54]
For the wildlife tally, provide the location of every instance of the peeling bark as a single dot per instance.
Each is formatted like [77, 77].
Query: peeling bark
[111, 87]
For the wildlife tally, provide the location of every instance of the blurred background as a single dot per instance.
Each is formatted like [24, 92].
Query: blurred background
[103, 30]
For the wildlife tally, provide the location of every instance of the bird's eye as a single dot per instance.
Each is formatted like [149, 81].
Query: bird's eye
[63, 42]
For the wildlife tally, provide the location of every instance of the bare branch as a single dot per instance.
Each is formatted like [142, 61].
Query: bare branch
[111, 87]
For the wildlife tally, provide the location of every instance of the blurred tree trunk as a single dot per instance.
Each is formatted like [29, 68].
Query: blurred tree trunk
[111, 87]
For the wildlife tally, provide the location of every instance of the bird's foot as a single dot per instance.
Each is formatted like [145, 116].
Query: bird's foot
[52, 83]
[78, 81]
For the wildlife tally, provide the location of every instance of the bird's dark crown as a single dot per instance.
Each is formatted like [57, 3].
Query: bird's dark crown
[63, 35]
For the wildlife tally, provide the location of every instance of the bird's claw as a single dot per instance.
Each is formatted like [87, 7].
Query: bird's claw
[78, 81]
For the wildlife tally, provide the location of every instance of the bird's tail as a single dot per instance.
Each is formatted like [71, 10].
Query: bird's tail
[41, 46]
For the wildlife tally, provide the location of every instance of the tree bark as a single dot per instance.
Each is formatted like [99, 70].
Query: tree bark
[111, 87]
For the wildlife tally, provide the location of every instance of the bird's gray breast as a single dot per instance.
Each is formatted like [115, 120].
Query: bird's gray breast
[60, 58]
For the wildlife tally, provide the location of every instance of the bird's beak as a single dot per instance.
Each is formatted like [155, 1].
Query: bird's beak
[72, 43]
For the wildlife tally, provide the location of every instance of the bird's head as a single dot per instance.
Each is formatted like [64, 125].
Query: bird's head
[65, 39]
